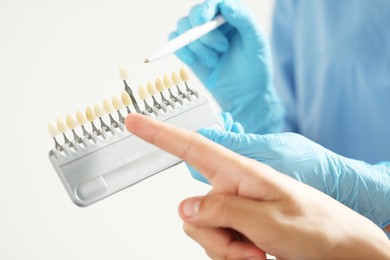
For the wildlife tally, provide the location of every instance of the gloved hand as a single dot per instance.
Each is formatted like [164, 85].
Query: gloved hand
[229, 125]
[234, 64]
[363, 187]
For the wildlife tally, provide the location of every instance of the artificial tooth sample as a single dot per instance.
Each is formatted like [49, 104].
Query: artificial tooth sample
[160, 85]
[72, 124]
[109, 110]
[124, 75]
[82, 120]
[152, 91]
[160, 88]
[177, 80]
[126, 101]
[91, 116]
[108, 107]
[185, 76]
[52, 129]
[169, 84]
[143, 95]
[118, 105]
[99, 112]
[61, 126]
[151, 88]
[53, 132]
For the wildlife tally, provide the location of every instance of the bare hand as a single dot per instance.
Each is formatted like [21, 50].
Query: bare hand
[253, 209]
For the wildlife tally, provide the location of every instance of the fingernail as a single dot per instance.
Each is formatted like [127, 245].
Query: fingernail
[191, 208]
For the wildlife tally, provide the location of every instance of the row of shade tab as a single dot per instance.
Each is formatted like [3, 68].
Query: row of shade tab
[110, 113]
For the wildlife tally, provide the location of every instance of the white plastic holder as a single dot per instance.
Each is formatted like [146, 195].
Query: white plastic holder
[93, 171]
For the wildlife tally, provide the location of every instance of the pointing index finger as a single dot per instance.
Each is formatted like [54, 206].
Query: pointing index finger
[204, 155]
[226, 171]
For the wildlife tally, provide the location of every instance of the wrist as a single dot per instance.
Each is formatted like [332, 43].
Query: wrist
[376, 250]
[362, 247]
[373, 189]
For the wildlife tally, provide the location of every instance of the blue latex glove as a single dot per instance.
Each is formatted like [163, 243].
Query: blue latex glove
[234, 64]
[229, 125]
[363, 187]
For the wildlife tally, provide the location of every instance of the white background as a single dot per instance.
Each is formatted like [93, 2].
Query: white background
[57, 57]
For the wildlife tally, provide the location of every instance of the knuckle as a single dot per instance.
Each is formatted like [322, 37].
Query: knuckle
[217, 206]
[172, 35]
[183, 25]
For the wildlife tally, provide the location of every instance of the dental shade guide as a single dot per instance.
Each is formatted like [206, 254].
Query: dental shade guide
[102, 157]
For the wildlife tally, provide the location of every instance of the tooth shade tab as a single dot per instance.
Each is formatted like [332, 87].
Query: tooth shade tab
[61, 126]
[117, 103]
[151, 88]
[52, 129]
[71, 122]
[168, 82]
[142, 93]
[99, 111]
[81, 119]
[90, 114]
[160, 85]
[108, 107]
[185, 76]
[123, 73]
[175, 78]
[126, 98]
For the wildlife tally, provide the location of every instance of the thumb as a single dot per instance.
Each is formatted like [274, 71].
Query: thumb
[244, 215]
[228, 122]
[234, 12]
[239, 16]
[204, 12]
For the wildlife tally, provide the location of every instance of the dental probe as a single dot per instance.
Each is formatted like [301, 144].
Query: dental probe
[186, 38]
